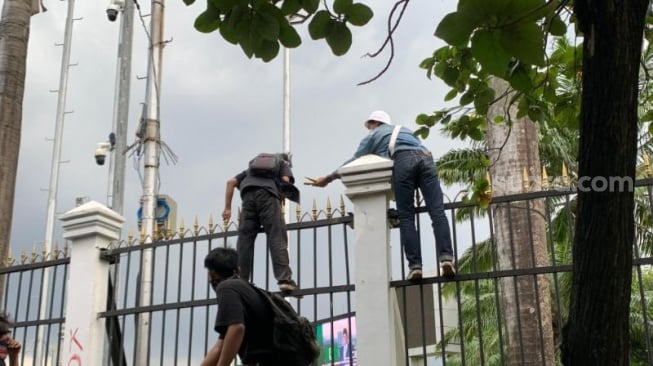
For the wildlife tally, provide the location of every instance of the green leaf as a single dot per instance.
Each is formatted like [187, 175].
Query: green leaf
[648, 116]
[557, 26]
[290, 7]
[525, 41]
[341, 6]
[454, 29]
[189, 2]
[266, 25]
[450, 95]
[317, 28]
[268, 50]
[339, 38]
[520, 80]
[225, 5]
[467, 98]
[484, 96]
[449, 76]
[310, 5]
[650, 128]
[489, 53]
[422, 132]
[229, 34]
[208, 21]
[289, 37]
[359, 14]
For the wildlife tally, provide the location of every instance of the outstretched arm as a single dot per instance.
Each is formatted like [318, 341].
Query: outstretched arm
[232, 183]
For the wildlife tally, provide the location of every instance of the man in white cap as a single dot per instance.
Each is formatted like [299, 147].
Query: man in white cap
[413, 168]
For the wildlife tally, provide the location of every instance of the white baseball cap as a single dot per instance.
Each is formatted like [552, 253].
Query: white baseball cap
[379, 116]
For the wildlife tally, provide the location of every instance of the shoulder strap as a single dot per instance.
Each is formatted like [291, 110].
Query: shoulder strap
[393, 140]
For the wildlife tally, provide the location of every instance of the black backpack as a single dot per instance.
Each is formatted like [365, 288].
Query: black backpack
[294, 342]
[265, 165]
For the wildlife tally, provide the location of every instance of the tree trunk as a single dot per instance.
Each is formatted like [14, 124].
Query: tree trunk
[14, 34]
[597, 332]
[520, 235]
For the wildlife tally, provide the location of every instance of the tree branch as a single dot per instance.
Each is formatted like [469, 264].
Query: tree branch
[389, 40]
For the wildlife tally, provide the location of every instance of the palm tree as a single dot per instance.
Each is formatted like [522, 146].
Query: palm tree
[14, 35]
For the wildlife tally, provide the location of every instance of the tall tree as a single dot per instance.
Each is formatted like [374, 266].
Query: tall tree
[14, 35]
[603, 247]
[520, 232]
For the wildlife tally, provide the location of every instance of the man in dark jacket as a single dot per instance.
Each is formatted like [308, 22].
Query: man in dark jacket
[243, 322]
[261, 206]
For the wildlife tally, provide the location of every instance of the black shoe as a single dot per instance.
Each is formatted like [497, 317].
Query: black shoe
[414, 274]
[287, 285]
[448, 270]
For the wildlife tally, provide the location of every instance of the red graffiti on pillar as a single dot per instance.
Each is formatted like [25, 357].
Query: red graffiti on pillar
[75, 357]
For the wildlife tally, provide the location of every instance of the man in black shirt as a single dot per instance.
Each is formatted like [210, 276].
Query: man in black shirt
[261, 206]
[243, 322]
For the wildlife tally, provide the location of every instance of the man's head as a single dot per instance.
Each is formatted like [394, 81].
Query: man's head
[376, 118]
[5, 325]
[221, 263]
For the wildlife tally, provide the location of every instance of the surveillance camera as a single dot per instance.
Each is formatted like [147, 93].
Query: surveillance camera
[112, 13]
[101, 152]
[114, 7]
[100, 156]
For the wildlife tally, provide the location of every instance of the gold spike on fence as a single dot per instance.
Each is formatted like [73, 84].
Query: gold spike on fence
[545, 179]
[565, 176]
[182, 228]
[211, 226]
[328, 209]
[314, 210]
[647, 165]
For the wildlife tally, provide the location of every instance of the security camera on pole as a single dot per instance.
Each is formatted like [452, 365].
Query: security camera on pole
[115, 7]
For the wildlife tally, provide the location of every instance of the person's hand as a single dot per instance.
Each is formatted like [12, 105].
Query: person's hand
[13, 347]
[322, 181]
[226, 214]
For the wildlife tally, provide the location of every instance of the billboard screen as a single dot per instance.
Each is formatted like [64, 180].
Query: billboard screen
[338, 340]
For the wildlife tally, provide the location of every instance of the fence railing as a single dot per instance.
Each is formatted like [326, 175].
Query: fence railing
[496, 302]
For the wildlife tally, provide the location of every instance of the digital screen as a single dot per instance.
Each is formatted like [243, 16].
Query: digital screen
[338, 341]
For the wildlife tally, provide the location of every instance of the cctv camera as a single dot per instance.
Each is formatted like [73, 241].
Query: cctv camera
[112, 14]
[100, 156]
[101, 152]
[114, 7]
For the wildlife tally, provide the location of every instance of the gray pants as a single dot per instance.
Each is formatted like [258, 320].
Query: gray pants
[262, 208]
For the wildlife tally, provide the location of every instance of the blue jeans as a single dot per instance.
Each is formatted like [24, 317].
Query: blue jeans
[415, 169]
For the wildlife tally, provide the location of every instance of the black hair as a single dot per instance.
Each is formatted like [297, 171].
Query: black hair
[223, 261]
[5, 323]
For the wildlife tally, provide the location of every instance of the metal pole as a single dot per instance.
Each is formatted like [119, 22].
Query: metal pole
[54, 174]
[116, 194]
[150, 176]
[286, 116]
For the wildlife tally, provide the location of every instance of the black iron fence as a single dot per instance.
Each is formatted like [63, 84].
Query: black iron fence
[507, 302]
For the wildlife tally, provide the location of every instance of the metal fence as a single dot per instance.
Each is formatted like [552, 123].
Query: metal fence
[495, 303]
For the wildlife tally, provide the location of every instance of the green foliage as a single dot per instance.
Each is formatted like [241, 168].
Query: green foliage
[261, 27]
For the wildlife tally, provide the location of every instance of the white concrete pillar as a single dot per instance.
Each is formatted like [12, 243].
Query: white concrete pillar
[368, 182]
[90, 228]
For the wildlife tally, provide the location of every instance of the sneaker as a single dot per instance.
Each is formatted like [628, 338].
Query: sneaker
[287, 285]
[414, 274]
[448, 270]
